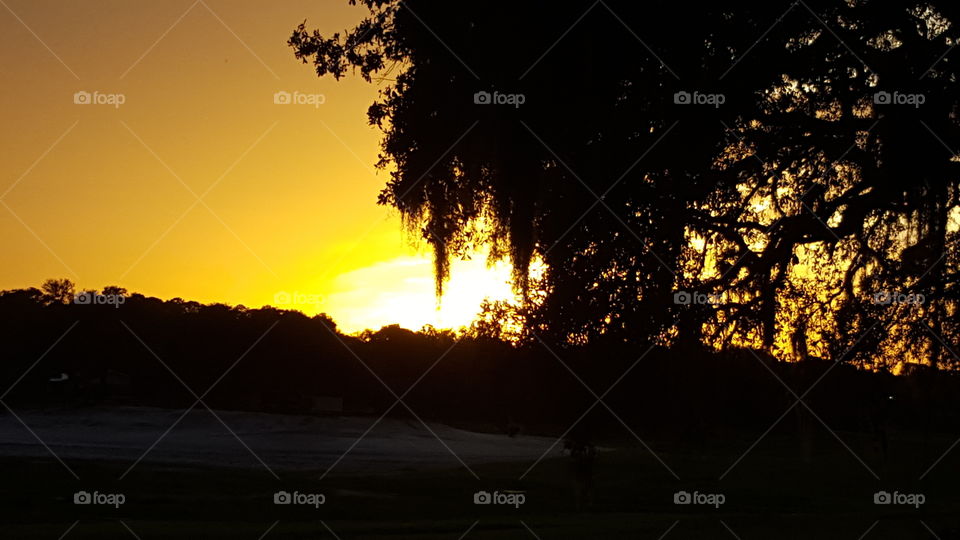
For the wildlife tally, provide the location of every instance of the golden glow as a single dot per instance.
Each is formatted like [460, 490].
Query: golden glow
[402, 289]
[108, 195]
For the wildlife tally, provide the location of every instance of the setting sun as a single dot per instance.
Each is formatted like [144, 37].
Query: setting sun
[266, 201]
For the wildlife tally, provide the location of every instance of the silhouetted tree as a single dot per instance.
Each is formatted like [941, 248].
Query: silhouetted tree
[58, 291]
[680, 155]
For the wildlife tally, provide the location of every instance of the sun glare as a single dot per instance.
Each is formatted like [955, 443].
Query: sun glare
[401, 291]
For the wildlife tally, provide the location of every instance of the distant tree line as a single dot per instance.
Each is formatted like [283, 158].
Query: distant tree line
[57, 352]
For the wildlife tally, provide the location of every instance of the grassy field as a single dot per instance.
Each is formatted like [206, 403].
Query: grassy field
[770, 493]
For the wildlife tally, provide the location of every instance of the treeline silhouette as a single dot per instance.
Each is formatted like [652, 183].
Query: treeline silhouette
[794, 163]
[146, 351]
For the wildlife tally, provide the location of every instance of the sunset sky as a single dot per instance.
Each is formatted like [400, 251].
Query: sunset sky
[199, 185]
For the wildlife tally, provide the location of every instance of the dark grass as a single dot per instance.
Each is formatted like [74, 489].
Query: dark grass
[774, 492]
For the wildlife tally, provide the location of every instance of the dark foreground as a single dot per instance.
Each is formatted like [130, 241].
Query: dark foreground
[772, 492]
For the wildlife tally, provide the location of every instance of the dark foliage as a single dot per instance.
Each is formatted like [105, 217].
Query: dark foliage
[144, 352]
[793, 203]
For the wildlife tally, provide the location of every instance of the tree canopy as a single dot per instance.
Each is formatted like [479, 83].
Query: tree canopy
[779, 176]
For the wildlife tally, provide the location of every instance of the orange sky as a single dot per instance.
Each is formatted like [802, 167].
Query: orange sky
[108, 195]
